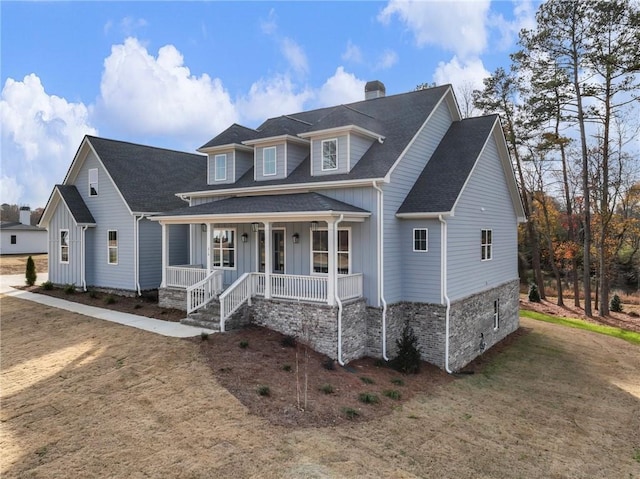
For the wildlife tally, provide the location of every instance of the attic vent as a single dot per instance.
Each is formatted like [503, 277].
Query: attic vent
[374, 89]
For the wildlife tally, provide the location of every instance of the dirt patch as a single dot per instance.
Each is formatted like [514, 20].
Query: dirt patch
[17, 263]
[92, 399]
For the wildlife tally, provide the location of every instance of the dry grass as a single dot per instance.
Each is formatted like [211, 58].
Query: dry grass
[87, 398]
[17, 263]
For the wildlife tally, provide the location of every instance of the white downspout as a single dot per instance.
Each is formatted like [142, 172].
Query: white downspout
[83, 271]
[136, 252]
[337, 296]
[381, 268]
[443, 289]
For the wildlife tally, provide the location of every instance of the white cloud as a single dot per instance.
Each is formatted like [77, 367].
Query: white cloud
[146, 95]
[352, 53]
[129, 25]
[40, 135]
[270, 25]
[386, 60]
[341, 88]
[295, 56]
[272, 97]
[465, 77]
[458, 26]
[524, 14]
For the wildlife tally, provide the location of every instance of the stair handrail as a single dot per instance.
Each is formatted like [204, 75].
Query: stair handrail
[203, 292]
[240, 292]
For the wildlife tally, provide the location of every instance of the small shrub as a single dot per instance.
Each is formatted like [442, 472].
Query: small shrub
[204, 336]
[288, 341]
[367, 380]
[534, 294]
[408, 359]
[287, 368]
[109, 300]
[350, 413]
[327, 389]
[329, 364]
[47, 285]
[244, 344]
[93, 294]
[264, 391]
[70, 288]
[368, 398]
[393, 394]
[397, 381]
[30, 274]
[615, 305]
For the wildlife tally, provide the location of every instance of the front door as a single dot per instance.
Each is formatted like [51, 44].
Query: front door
[277, 246]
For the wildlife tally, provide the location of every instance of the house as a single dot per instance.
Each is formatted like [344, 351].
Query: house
[21, 237]
[338, 225]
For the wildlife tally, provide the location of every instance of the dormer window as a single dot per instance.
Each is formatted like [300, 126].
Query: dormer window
[93, 182]
[220, 167]
[329, 154]
[269, 161]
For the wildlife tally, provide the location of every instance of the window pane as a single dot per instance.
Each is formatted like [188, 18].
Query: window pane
[484, 237]
[113, 238]
[343, 263]
[343, 240]
[329, 154]
[216, 257]
[231, 240]
[228, 258]
[488, 236]
[64, 238]
[64, 254]
[113, 255]
[320, 241]
[320, 263]
[269, 163]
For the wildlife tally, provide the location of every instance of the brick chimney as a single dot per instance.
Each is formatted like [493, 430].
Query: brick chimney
[25, 215]
[374, 89]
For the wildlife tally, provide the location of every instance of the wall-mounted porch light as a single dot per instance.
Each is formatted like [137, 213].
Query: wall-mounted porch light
[314, 225]
[295, 238]
[203, 228]
[244, 237]
[254, 227]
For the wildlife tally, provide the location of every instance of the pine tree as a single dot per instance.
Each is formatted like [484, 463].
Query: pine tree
[31, 275]
[408, 359]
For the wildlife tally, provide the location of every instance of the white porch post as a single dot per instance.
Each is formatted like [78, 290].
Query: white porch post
[268, 254]
[165, 254]
[209, 252]
[332, 262]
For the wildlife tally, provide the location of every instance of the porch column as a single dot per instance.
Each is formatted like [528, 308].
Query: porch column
[209, 252]
[268, 256]
[332, 262]
[165, 255]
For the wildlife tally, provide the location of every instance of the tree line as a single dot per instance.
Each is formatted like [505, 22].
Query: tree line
[12, 213]
[569, 108]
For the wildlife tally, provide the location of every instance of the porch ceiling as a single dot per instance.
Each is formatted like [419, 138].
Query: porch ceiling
[296, 207]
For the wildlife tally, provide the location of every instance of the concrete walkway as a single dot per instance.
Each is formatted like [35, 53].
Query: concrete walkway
[158, 326]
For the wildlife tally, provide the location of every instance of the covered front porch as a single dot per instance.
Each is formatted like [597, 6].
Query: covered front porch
[303, 256]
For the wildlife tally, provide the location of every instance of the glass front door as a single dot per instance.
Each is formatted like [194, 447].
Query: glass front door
[277, 246]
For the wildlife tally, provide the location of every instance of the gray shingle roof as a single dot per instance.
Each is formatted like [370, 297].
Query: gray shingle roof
[397, 117]
[234, 134]
[149, 177]
[17, 226]
[77, 207]
[294, 203]
[440, 183]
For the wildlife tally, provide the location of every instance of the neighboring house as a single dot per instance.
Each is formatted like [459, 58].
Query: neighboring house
[21, 237]
[337, 225]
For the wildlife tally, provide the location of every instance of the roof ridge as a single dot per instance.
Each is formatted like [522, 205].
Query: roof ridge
[140, 145]
[358, 111]
[297, 119]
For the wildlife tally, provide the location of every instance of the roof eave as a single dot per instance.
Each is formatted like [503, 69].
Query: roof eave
[225, 147]
[275, 139]
[343, 129]
[258, 217]
[424, 215]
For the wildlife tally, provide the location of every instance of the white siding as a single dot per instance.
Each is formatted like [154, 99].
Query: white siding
[27, 242]
[295, 155]
[211, 168]
[402, 180]
[359, 146]
[421, 269]
[71, 272]
[316, 156]
[485, 204]
[243, 162]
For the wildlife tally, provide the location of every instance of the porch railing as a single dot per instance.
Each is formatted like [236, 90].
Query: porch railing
[303, 288]
[183, 276]
[201, 293]
[236, 295]
[350, 286]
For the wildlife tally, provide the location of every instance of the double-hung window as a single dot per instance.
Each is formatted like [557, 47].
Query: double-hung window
[224, 248]
[64, 246]
[329, 154]
[112, 247]
[220, 166]
[420, 239]
[93, 182]
[14, 239]
[320, 252]
[269, 161]
[486, 245]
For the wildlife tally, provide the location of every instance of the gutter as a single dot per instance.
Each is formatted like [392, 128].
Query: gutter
[136, 252]
[337, 296]
[443, 290]
[82, 259]
[380, 242]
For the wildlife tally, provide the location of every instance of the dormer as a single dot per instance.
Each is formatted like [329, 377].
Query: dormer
[337, 150]
[277, 156]
[228, 159]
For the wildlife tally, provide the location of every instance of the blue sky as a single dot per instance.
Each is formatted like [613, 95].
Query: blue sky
[174, 74]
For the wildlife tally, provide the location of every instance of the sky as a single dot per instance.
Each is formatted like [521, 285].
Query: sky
[175, 74]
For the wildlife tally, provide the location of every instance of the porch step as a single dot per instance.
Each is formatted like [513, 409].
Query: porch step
[207, 317]
[201, 323]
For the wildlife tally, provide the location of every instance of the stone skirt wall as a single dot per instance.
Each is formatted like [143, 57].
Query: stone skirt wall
[172, 298]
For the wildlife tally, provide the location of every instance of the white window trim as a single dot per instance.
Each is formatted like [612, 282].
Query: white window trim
[95, 182]
[117, 248]
[496, 314]
[257, 235]
[426, 230]
[488, 247]
[275, 161]
[222, 156]
[335, 140]
[235, 249]
[68, 246]
[311, 250]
